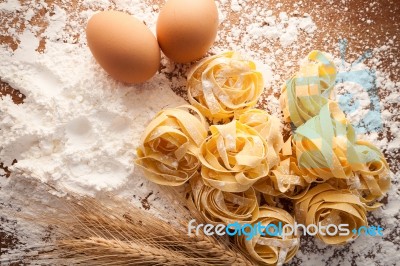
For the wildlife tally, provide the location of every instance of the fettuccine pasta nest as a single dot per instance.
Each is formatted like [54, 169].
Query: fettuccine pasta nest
[285, 180]
[327, 205]
[309, 89]
[234, 157]
[327, 148]
[325, 145]
[272, 248]
[168, 153]
[224, 85]
[268, 127]
[372, 176]
[219, 206]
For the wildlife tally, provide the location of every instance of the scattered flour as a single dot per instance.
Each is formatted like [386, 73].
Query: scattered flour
[76, 125]
[78, 128]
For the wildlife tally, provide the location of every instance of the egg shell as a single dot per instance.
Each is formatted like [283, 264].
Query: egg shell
[123, 45]
[186, 29]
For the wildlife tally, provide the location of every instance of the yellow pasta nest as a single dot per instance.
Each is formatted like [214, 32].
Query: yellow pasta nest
[309, 89]
[273, 248]
[286, 179]
[170, 144]
[325, 205]
[268, 127]
[224, 85]
[324, 144]
[219, 206]
[372, 177]
[326, 148]
[234, 157]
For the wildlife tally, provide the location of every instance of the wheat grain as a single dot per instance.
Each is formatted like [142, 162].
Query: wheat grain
[110, 231]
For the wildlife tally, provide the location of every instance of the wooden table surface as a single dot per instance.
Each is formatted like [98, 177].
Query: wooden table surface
[334, 19]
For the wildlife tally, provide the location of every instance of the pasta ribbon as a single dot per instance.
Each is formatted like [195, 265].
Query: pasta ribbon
[325, 145]
[325, 205]
[218, 206]
[170, 144]
[308, 90]
[286, 179]
[224, 85]
[373, 177]
[270, 249]
[234, 157]
[269, 128]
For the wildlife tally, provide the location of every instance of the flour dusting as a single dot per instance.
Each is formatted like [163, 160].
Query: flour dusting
[78, 129]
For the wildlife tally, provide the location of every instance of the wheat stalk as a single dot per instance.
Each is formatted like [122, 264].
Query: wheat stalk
[115, 252]
[110, 231]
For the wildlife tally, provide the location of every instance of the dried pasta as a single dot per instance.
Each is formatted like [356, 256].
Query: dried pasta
[325, 145]
[217, 206]
[286, 179]
[233, 167]
[224, 85]
[168, 153]
[327, 205]
[308, 90]
[372, 176]
[268, 127]
[234, 157]
[269, 249]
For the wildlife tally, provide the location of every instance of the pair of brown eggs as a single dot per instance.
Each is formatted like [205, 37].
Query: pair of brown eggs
[129, 52]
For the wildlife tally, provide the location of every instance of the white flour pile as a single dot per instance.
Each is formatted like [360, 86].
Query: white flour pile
[78, 128]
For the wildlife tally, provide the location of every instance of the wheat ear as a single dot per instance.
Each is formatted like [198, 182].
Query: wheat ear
[110, 231]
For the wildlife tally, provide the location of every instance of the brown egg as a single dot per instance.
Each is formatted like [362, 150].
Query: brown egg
[186, 29]
[123, 46]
